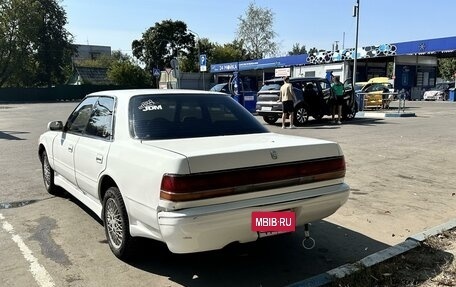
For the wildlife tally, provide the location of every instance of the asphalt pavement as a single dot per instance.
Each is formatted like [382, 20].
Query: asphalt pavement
[401, 171]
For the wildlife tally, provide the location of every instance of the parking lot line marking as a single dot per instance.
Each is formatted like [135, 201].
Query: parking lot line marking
[39, 273]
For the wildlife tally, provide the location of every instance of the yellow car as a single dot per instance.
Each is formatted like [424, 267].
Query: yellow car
[377, 93]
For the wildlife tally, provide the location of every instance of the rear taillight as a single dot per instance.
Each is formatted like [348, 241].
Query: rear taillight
[187, 187]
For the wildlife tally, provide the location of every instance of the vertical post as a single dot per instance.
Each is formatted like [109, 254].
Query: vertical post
[355, 13]
[204, 87]
[199, 54]
[343, 41]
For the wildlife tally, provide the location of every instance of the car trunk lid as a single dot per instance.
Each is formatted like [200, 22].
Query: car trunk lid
[210, 154]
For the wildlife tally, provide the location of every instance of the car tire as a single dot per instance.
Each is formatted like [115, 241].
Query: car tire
[301, 116]
[270, 119]
[48, 175]
[116, 224]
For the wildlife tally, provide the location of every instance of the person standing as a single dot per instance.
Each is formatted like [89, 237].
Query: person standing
[287, 97]
[337, 88]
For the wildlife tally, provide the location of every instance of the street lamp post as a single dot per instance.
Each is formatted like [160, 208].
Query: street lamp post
[199, 52]
[355, 14]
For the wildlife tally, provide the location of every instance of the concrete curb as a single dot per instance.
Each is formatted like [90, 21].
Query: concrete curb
[382, 115]
[400, 115]
[376, 258]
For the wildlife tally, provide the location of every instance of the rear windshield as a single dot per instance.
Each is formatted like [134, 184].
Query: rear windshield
[218, 88]
[444, 86]
[271, 87]
[186, 116]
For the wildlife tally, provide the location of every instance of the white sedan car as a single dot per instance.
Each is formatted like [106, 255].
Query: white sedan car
[438, 93]
[188, 168]
[434, 95]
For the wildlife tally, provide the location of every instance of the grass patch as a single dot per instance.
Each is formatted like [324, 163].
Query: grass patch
[430, 264]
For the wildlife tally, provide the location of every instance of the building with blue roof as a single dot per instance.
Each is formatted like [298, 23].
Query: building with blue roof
[412, 65]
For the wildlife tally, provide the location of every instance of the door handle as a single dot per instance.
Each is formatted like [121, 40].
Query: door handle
[99, 158]
[70, 148]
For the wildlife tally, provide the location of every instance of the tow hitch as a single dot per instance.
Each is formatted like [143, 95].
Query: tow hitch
[308, 242]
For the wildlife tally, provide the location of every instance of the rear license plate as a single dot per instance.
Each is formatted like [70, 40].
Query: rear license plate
[271, 233]
[278, 221]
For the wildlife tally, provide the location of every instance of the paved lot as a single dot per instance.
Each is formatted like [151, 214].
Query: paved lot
[401, 171]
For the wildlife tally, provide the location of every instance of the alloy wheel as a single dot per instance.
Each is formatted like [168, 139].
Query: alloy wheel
[46, 171]
[114, 223]
[301, 115]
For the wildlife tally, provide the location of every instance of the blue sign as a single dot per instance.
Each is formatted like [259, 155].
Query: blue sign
[156, 72]
[430, 46]
[226, 67]
[203, 60]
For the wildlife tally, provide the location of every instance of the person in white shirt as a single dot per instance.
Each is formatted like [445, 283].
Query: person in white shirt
[287, 97]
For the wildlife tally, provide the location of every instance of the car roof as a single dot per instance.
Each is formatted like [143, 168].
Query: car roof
[138, 92]
[445, 83]
[307, 79]
[275, 80]
[295, 79]
[378, 80]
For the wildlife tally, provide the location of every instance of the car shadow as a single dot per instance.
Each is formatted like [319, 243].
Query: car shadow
[328, 125]
[62, 193]
[9, 135]
[274, 261]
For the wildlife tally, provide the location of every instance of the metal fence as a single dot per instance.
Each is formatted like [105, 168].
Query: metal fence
[52, 94]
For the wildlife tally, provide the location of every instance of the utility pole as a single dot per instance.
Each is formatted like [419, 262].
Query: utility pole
[355, 14]
[343, 41]
[199, 52]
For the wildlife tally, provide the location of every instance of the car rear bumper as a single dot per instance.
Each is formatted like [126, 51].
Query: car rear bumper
[431, 98]
[265, 108]
[213, 227]
[269, 113]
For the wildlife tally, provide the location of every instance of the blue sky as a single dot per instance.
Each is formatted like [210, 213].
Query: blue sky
[314, 23]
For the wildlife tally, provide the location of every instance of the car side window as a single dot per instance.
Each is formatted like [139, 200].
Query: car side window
[372, 88]
[348, 85]
[378, 88]
[101, 120]
[78, 120]
[325, 86]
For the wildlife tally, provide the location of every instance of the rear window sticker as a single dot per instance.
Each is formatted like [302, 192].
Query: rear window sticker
[150, 105]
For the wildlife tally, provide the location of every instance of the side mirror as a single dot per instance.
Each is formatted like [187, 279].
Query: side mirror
[55, 126]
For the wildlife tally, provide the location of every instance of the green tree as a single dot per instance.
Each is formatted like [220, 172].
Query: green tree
[255, 29]
[15, 47]
[53, 44]
[230, 52]
[122, 69]
[128, 74]
[35, 48]
[447, 68]
[104, 61]
[298, 49]
[190, 63]
[163, 42]
[313, 51]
